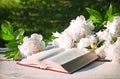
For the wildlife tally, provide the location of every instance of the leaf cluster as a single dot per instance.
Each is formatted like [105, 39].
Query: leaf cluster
[99, 20]
[13, 38]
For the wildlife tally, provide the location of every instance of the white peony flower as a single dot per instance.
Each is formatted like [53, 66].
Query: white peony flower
[88, 41]
[79, 28]
[104, 35]
[108, 50]
[64, 40]
[101, 51]
[113, 52]
[56, 34]
[117, 43]
[114, 27]
[32, 45]
[37, 37]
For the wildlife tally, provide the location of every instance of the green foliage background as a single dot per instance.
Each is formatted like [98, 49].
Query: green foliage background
[47, 16]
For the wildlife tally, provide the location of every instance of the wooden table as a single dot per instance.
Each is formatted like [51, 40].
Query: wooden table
[97, 70]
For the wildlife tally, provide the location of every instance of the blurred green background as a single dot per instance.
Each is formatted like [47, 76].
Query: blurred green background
[47, 16]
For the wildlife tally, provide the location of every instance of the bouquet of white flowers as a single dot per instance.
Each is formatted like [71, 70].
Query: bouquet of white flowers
[82, 34]
[111, 48]
[98, 33]
[78, 29]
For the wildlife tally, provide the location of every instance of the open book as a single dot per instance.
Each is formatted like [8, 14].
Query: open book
[59, 60]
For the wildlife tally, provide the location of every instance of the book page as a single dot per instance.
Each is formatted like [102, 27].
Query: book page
[54, 66]
[39, 57]
[66, 56]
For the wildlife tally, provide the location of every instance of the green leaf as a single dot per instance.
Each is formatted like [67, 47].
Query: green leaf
[94, 19]
[10, 27]
[109, 12]
[16, 56]
[49, 39]
[100, 43]
[88, 47]
[12, 54]
[18, 33]
[7, 27]
[6, 36]
[95, 14]
[4, 28]
[7, 31]
[110, 18]
[114, 39]
[46, 41]
[98, 28]
[21, 39]
[12, 45]
[52, 37]
[9, 54]
[117, 14]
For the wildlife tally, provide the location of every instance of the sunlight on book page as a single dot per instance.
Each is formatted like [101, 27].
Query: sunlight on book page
[60, 60]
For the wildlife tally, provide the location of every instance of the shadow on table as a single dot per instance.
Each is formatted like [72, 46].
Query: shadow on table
[90, 66]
